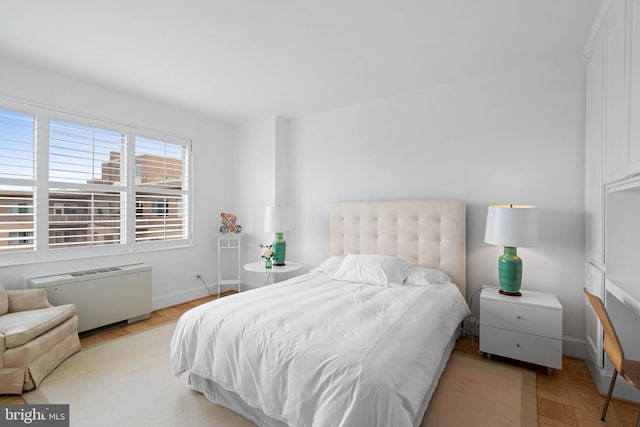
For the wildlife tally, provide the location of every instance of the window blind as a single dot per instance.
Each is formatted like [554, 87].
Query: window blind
[87, 185]
[161, 189]
[17, 181]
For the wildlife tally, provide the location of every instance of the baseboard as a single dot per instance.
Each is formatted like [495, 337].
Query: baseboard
[602, 379]
[597, 375]
[574, 347]
[190, 294]
[249, 286]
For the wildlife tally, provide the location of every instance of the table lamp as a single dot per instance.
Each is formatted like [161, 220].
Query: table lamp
[511, 226]
[278, 219]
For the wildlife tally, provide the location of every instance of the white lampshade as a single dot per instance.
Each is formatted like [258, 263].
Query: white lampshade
[278, 219]
[512, 226]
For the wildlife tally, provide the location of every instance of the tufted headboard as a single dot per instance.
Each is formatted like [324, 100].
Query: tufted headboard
[429, 233]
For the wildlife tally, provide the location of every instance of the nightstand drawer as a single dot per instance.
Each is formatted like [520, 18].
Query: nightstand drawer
[515, 345]
[529, 319]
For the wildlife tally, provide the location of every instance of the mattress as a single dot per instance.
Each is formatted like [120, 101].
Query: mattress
[315, 351]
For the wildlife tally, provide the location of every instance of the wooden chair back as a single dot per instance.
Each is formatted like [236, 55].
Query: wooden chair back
[611, 343]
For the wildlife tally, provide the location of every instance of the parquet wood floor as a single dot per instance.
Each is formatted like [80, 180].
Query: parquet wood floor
[566, 398]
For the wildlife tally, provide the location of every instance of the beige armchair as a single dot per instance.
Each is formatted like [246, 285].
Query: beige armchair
[35, 337]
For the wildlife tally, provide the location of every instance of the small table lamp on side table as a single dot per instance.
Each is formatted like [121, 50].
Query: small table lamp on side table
[511, 226]
[278, 219]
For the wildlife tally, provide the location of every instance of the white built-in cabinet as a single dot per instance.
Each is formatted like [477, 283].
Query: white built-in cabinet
[614, 91]
[594, 184]
[620, 38]
[612, 153]
[594, 283]
[594, 198]
[634, 82]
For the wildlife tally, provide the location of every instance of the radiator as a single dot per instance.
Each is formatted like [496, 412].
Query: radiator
[103, 295]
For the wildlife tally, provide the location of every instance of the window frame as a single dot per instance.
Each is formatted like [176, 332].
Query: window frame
[42, 252]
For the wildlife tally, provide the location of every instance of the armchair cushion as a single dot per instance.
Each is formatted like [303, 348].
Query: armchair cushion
[21, 327]
[27, 299]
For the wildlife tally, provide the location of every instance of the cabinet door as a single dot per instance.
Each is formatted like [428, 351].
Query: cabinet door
[594, 283]
[634, 72]
[615, 100]
[594, 189]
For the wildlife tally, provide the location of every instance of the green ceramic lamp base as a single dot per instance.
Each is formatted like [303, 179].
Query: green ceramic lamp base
[280, 250]
[510, 272]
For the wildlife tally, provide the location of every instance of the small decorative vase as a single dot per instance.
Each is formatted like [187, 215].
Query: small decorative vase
[267, 263]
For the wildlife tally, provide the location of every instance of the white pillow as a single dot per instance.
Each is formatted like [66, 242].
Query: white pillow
[380, 270]
[330, 265]
[421, 276]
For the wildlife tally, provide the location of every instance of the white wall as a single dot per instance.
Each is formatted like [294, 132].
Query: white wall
[261, 179]
[173, 270]
[254, 186]
[513, 137]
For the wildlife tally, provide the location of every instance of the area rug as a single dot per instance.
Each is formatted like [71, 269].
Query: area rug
[128, 382]
[477, 392]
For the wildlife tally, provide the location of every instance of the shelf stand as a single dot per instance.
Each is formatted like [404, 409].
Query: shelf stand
[227, 243]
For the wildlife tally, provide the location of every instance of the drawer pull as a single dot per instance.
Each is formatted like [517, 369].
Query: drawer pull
[519, 317]
[518, 345]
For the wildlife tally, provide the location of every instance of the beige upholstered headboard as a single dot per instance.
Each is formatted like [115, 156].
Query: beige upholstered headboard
[429, 233]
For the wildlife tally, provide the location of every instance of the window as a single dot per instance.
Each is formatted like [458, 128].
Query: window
[163, 186]
[106, 187]
[86, 177]
[18, 238]
[18, 135]
[20, 208]
[70, 208]
[161, 208]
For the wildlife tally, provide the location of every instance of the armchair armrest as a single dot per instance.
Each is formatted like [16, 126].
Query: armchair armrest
[27, 299]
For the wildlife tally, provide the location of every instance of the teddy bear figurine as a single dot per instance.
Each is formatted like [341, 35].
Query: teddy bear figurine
[229, 225]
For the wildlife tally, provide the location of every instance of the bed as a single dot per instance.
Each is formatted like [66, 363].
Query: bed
[360, 340]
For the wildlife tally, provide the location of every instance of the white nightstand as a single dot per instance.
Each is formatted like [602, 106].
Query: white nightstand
[527, 328]
[258, 267]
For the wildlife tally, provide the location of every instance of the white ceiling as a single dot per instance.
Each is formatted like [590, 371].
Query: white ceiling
[244, 59]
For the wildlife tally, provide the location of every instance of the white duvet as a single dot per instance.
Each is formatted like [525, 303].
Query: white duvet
[315, 352]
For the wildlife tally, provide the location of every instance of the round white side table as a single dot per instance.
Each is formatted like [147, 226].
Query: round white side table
[258, 267]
